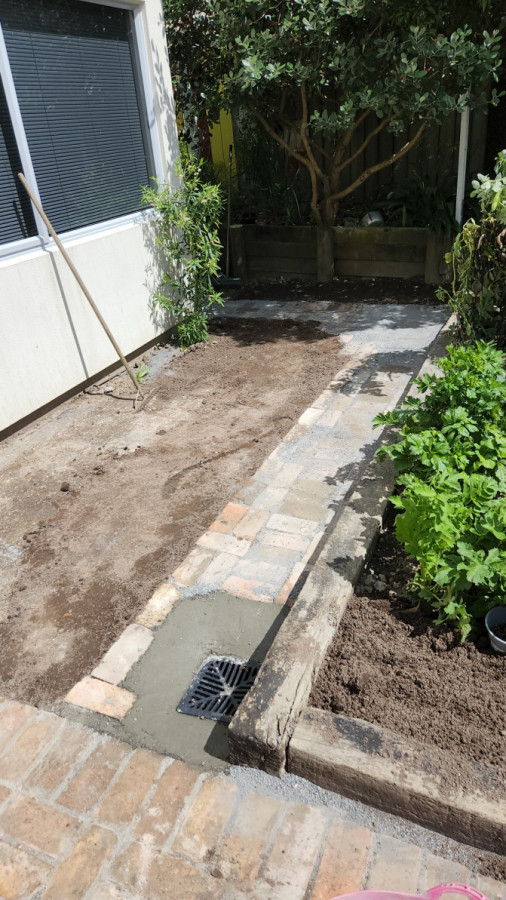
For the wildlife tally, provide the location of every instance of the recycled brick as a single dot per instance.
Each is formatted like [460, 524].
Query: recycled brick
[203, 826]
[171, 794]
[76, 874]
[49, 830]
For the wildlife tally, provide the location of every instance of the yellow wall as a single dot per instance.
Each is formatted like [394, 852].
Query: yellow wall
[222, 135]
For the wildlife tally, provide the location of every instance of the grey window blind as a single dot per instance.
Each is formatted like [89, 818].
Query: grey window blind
[74, 69]
[16, 218]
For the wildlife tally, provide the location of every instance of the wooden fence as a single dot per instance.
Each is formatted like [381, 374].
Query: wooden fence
[312, 253]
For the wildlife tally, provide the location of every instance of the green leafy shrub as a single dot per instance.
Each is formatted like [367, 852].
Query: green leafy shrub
[188, 237]
[192, 330]
[451, 463]
[478, 292]
[415, 202]
[314, 73]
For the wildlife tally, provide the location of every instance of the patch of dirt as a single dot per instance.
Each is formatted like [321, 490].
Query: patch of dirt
[390, 665]
[344, 290]
[412, 676]
[101, 502]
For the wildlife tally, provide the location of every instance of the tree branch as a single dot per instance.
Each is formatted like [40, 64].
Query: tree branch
[277, 137]
[295, 129]
[303, 133]
[365, 143]
[382, 165]
[352, 129]
[314, 196]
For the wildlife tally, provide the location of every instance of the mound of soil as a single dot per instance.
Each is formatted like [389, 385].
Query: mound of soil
[389, 664]
[101, 501]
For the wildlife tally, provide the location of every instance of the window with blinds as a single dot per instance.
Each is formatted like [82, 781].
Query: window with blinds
[79, 91]
[16, 218]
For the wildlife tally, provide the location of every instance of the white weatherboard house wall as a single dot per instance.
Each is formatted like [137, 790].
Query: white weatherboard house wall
[87, 113]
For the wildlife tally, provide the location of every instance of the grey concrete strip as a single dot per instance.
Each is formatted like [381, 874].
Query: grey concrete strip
[195, 629]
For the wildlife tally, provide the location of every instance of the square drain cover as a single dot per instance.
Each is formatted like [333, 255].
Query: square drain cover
[218, 688]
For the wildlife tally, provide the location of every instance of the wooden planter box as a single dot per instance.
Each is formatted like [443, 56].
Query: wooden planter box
[318, 253]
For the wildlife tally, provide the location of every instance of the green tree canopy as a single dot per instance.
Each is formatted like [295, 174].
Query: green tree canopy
[311, 71]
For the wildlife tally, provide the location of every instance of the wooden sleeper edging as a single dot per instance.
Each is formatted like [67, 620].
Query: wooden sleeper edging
[391, 772]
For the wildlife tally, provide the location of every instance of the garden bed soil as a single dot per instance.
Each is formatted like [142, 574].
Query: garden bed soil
[101, 501]
[390, 665]
[343, 290]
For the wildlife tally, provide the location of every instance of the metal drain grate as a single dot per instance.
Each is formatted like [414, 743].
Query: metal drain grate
[218, 688]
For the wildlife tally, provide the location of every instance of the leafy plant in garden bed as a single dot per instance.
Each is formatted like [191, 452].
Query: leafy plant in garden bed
[188, 237]
[416, 203]
[451, 464]
[478, 293]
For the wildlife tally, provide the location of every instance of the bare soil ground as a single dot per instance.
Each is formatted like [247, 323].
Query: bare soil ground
[412, 676]
[344, 290]
[101, 502]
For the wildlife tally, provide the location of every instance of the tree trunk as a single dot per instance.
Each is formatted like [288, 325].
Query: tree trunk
[329, 205]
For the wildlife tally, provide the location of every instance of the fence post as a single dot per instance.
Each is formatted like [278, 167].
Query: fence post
[324, 253]
[433, 254]
[238, 247]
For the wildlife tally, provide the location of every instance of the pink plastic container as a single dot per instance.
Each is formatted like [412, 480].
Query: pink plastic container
[432, 894]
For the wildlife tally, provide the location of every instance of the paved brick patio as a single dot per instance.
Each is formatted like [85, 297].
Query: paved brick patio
[86, 816]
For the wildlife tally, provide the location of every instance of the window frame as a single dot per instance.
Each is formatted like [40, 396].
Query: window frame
[43, 240]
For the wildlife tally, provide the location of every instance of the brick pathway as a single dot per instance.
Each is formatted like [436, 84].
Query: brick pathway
[86, 816]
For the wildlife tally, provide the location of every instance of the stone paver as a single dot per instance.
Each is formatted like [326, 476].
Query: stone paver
[295, 849]
[159, 606]
[126, 651]
[229, 518]
[397, 864]
[79, 870]
[21, 873]
[241, 852]
[160, 816]
[13, 717]
[248, 587]
[343, 861]
[39, 826]
[90, 780]
[102, 697]
[49, 774]
[132, 825]
[439, 870]
[195, 563]
[250, 524]
[206, 820]
[125, 796]
[19, 758]
[224, 542]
